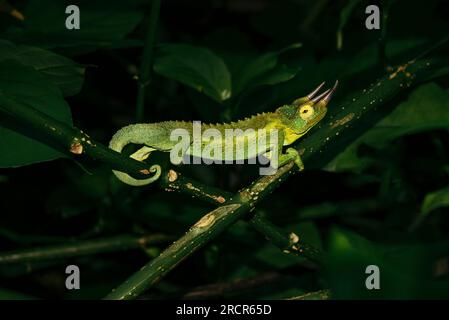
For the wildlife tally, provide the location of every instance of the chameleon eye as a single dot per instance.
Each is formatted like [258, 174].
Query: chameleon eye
[305, 112]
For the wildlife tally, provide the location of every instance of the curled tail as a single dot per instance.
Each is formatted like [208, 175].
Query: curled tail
[134, 134]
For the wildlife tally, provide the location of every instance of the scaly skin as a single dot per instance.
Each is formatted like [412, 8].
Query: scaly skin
[292, 122]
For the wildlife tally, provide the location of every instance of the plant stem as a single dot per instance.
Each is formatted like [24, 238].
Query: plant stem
[316, 295]
[147, 59]
[206, 229]
[173, 181]
[70, 139]
[288, 243]
[81, 248]
[229, 289]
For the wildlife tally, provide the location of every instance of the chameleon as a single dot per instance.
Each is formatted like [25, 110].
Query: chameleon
[291, 121]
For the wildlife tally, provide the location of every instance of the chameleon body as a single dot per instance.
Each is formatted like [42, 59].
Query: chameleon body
[291, 122]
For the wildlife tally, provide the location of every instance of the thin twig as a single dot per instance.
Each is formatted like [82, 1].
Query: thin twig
[217, 290]
[174, 181]
[81, 248]
[316, 295]
[288, 243]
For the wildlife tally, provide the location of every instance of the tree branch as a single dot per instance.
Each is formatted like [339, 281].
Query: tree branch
[72, 140]
[206, 229]
[316, 295]
[288, 243]
[81, 248]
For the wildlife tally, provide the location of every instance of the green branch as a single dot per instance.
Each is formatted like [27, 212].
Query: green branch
[316, 295]
[287, 242]
[71, 140]
[173, 181]
[81, 248]
[202, 232]
[147, 59]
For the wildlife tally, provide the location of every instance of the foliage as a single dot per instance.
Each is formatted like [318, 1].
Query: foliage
[375, 189]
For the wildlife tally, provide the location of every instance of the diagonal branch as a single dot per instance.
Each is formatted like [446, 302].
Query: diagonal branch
[206, 229]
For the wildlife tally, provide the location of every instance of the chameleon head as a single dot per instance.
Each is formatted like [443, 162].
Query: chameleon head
[312, 108]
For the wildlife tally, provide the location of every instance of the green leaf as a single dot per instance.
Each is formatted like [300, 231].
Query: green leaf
[275, 258]
[434, 200]
[61, 71]
[348, 256]
[19, 145]
[102, 24]
[265, 70]
[196, 67]
[426, 109]
[406, 270]
[345, 14]
[279, 74]
[368, 56]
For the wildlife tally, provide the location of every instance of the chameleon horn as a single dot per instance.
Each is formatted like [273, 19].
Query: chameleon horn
[318, 98]
[314, 92]
[328, 96]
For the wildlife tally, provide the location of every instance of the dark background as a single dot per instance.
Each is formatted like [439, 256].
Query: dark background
[367, 208]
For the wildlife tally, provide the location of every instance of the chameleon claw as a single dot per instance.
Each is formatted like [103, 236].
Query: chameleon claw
[293, 154]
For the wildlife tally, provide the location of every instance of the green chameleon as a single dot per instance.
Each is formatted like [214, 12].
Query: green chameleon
[291, 121]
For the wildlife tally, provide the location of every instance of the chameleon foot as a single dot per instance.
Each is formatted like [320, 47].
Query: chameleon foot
[291, 154]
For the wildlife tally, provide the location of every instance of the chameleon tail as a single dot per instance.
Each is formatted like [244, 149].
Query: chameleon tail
[127, 135]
